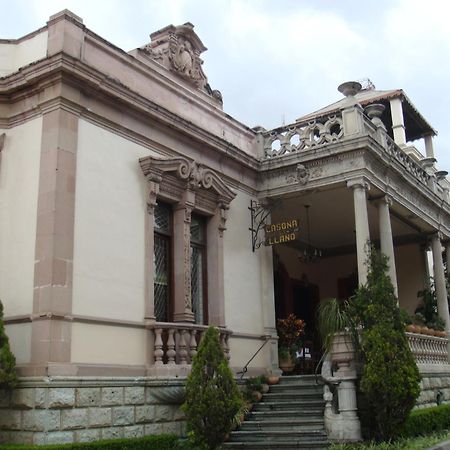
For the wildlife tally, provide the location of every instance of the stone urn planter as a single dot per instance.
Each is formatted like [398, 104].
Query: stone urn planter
[342, 347]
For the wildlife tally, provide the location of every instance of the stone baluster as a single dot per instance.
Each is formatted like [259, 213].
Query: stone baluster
[159, 352]
[182, 351]
[171, 353]
[193, 344]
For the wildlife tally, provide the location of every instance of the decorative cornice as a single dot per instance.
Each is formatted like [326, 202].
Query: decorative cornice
[195, 175]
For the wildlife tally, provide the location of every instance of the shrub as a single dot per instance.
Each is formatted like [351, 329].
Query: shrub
[8, 377]
[390, 378]
[212, 396]
[427, 420]
[157, 442]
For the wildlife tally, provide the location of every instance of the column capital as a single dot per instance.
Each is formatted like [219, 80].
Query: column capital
[438, 235]
[358, 183]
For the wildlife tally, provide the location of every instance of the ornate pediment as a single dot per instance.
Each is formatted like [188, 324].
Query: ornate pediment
[196, 176]
[178, 48]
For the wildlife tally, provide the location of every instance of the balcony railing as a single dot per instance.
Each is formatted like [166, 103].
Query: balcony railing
[176, 343]
[428, 349]
[303, 135]
[328, 129]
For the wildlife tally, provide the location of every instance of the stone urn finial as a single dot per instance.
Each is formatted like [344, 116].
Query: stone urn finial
[375, 111]
[349, 88]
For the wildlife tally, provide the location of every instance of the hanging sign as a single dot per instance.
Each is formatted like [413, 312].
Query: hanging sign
[281, 232]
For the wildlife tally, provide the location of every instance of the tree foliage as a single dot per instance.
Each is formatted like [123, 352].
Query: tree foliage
[212, 396]
[8, 377]
[390, 379]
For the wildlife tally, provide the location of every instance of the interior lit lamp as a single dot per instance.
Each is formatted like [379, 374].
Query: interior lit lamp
[309, 254]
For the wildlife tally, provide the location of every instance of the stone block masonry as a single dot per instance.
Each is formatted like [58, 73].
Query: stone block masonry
[65, 410]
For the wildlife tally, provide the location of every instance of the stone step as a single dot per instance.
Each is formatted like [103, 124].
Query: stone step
[299, 380]
[270, 445]
[311, 413]
[317, 388]
[305, 424]
[296, 436]
[291, 396]
[299, 405]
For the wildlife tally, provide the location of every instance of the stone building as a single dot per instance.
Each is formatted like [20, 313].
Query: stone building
[134, 213]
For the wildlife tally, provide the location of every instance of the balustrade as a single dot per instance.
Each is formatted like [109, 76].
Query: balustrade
[303, 135]
[428, 349]
[176, 343]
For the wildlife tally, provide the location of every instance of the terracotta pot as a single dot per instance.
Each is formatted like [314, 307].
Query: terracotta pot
[256, 396]
[442, 334]
[265, 388]
[286, 364]
[436, 333]
[272, 379]
[423, 330]
[411, 328]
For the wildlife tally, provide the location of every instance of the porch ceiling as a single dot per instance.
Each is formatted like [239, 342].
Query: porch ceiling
[332, 219]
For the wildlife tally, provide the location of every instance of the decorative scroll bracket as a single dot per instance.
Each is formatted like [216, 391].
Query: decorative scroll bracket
[258, 215]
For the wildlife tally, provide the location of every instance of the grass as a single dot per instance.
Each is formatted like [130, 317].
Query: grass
[417, 443]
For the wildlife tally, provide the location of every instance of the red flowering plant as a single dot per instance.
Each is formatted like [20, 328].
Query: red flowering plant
[290, 331]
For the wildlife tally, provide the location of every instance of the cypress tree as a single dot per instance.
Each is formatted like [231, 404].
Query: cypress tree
[390, 378]
[8, 378]
[212, 396]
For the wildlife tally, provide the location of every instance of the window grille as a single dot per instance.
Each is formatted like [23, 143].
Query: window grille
[162, 261]
[198, 267]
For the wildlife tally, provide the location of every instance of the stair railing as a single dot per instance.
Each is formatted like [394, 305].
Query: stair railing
[245, 368]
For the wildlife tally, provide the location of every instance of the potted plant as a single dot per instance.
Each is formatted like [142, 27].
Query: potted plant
[337, 329]
[290, 331]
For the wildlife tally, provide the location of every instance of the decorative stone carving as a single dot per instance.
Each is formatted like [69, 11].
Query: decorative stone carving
[178, 48]
[301, 177]
[195, 175]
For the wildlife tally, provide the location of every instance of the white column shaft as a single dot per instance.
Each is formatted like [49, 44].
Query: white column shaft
[362, 230]
[439, 281]
[398, 125]
[429, 150]
[386, 243]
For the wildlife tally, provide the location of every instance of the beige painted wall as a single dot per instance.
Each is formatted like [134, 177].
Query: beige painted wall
[19, 54]
[243, 308]
[102, 344]
[110, 208]
[410, 265]
[19, 179]
[20, 341]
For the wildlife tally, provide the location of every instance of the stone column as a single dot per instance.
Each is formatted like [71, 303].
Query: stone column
[216, 290]
[360, 186]
[439, 280]
[53, 267]
[429, 150]
[268, 306]
[398, 125]
[182, 258]
[386, 243]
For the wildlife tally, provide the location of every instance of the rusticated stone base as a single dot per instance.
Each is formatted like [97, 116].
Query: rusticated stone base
[434, 390]
[64, 410]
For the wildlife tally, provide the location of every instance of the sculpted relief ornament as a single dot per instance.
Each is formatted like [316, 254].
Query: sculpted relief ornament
[179, 49]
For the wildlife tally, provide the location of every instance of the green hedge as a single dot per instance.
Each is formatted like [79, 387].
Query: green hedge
[159, 442]
[427, 420]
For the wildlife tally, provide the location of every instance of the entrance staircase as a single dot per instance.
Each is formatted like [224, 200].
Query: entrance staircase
[289, 416]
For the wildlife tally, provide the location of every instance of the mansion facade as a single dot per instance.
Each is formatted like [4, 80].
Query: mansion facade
[134, 212]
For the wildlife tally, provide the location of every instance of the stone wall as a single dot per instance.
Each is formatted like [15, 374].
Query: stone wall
[64, 410]
[434, 389]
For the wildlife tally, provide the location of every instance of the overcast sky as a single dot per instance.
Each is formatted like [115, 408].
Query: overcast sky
[277, 60]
